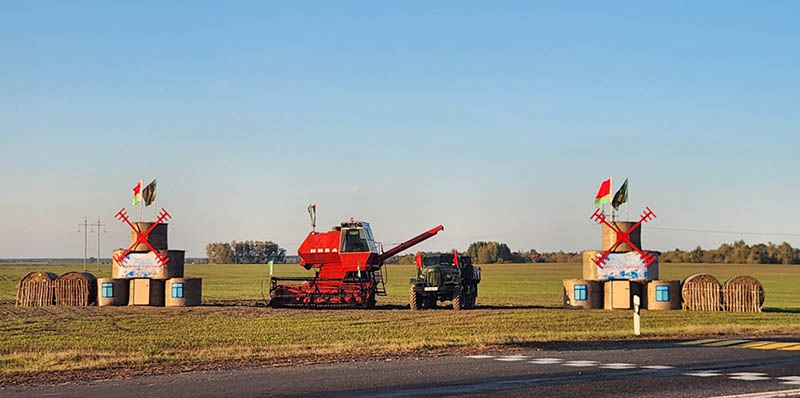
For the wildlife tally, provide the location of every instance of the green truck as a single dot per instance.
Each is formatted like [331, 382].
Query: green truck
[440, 278]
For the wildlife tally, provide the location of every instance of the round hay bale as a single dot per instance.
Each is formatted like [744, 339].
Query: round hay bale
[76, 289]
[583, 293]
[157, 237]
[664, 295]
[35, 289]
[37, 276]
[743, 293]
[610, 236]
[701, 292]
[183, 292]
[112, 291]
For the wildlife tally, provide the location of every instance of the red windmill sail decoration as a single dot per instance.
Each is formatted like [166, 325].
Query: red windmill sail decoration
[624, 237]
[142, 237]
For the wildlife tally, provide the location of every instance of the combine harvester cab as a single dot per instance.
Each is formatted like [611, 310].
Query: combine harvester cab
[348, 263]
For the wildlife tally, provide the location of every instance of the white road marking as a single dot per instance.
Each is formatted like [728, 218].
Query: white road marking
[480, 356]
[706, 373]
[512, 358]
[581, 364]
[546, 361]
[748, 376]
[657, 367]
[766, 394]
[789, 380]
[618, 365]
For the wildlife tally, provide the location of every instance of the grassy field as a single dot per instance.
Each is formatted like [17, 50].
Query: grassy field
[519, 307]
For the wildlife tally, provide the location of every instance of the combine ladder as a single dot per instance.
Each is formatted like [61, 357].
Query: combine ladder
[380, 284]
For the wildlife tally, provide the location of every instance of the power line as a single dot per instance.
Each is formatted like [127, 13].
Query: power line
[86, 231]
[711, 231]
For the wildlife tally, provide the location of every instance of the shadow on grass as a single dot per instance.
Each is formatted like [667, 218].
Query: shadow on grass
[439, 307]
[781, 310]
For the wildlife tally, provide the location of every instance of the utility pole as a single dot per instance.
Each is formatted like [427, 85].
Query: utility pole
[98, 225]
[86, 226]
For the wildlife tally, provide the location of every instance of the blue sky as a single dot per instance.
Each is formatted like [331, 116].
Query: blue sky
[496, 119]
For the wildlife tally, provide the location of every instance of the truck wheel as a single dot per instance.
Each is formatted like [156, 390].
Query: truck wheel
[458, 300]
[414, 300]
[473, 296]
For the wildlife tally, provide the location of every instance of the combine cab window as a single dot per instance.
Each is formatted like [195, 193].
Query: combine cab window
[355, 240]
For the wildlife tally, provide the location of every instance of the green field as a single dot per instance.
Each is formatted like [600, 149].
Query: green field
[519, 307]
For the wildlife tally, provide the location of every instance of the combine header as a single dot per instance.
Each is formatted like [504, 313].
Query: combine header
[348, 263]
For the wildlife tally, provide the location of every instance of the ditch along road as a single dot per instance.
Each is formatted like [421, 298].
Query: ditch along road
[700, 368]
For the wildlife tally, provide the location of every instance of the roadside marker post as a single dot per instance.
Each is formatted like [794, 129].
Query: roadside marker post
[637, 317]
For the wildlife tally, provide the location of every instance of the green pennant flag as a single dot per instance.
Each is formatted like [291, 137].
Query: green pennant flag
[621, 196]
[149, 193]
[312, 212]
[270, 268]
[359, 270]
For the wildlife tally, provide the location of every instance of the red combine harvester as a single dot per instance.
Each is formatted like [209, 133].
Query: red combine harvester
[348, 263]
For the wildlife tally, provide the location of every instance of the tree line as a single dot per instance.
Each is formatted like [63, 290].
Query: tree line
[496, 252]
[245, 252]
[737, 253]
[492, 252]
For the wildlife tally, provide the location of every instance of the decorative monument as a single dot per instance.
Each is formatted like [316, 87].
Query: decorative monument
[148, 272]
[621, 269]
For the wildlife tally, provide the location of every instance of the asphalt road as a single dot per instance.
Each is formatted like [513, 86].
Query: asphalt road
[655, 369]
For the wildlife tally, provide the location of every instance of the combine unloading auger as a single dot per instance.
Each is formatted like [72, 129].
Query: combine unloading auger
[348, 262]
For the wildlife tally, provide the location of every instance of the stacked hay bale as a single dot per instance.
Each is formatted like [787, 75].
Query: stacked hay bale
[112, 291]
[183, 292]
[623, 276]
[139, 279]
[75, 289]
[583, 293]
[36, 289]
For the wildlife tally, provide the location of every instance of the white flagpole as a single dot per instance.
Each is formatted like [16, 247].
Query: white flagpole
[155, 202]
[628, 203]
[611, 192]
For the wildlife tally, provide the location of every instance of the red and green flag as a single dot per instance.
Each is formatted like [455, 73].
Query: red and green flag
[604, 194]
[137, 193]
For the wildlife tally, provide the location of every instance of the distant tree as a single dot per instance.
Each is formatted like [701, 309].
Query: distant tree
[219, 253]
[256, 252]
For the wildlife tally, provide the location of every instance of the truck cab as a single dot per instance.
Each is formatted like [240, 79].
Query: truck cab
[444, 277]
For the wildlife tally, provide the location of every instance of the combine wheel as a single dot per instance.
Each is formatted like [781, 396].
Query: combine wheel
[459, 299]
[414, 300]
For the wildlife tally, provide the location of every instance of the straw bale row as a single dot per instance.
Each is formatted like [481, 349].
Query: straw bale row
[39, 289]
[703, 292]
